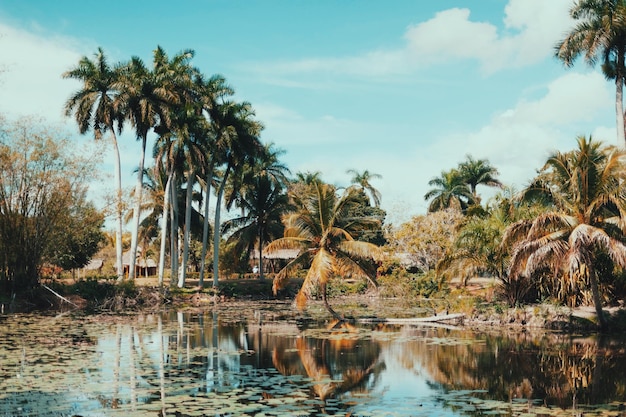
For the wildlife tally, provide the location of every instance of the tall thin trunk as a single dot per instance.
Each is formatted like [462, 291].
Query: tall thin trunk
[261, 276]
[118, 210]
[166, 212]
[619, 102]
[205, 224]
[174, 229]
[216, 228]
[183, 268]
[137, 211]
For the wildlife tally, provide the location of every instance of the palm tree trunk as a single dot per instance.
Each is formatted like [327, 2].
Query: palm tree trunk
[118, 210]
[597, 301]
[619, 101]
[205, 224]
[183, 268]
[166, 212]
[137, 211]
[216, 228]
[328, 307]
[261, 276]
[174, 229]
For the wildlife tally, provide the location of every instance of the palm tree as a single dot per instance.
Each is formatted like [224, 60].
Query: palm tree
[95, 106]
[599, 35]
[478, 172]
[586, 216]
[451, 192]
[236, 144]
[263, 205]
[212, 93]
[322, 228]
[363, 180]
[148, 97]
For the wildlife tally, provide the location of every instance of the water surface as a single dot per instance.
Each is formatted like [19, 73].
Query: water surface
[257, 359]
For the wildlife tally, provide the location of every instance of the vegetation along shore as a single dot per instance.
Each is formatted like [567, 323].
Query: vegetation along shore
[217, 217]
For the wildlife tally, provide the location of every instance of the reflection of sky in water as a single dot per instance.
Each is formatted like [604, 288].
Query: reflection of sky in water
[142, 364]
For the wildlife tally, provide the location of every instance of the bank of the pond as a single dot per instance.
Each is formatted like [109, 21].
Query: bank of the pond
[476, 304]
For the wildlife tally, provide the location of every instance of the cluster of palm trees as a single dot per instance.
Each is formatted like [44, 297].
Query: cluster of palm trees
[456, 188]
[563, 236]
[203, 139]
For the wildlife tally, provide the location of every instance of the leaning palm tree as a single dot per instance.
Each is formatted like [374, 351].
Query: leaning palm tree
[95, 106]
[477, 172]
[600, 34]
[363, 180]
[451, 191]
[322, 228]
[586, 216]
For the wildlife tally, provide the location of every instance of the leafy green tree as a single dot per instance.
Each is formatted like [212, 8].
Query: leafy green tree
[42, 196]
[586, 218]
[322, 228]
[424, 240]
[451, 191]
[79, 236]
[599, 35]
[96, 107]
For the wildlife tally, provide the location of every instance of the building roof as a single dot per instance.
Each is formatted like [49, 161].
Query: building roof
[277, 254]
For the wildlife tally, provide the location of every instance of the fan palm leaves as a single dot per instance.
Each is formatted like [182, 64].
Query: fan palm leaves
[586, 217]
[322, 228]
[599, 35]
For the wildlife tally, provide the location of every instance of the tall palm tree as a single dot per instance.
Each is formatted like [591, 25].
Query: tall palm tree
[258, 189]
[212, 94]
[586, 216]
[363, 180]
[148, 97]
[600, 34]
[191, 129]
[478, 172]
[236, 144]
[451, 192]
[322, 228]
[95, 106]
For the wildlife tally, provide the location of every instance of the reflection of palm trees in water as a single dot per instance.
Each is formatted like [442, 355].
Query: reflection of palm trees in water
[335, 364]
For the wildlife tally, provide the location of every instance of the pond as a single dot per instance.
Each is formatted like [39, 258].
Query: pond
[264, 360]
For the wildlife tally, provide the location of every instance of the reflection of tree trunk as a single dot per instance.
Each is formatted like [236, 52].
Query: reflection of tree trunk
[133, 380]
[597, 301]
[596, 378]
[161, 364]
[116, 367]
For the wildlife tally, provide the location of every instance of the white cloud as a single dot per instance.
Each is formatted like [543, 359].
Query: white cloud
[531, 29]
[31, 82]
[533, 26]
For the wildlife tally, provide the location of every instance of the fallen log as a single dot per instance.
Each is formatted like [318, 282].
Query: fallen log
[457, 317]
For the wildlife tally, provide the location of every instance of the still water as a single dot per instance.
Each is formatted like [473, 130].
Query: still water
[253, 360]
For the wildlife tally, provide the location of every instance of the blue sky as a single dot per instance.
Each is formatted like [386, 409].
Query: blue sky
[402, 88]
